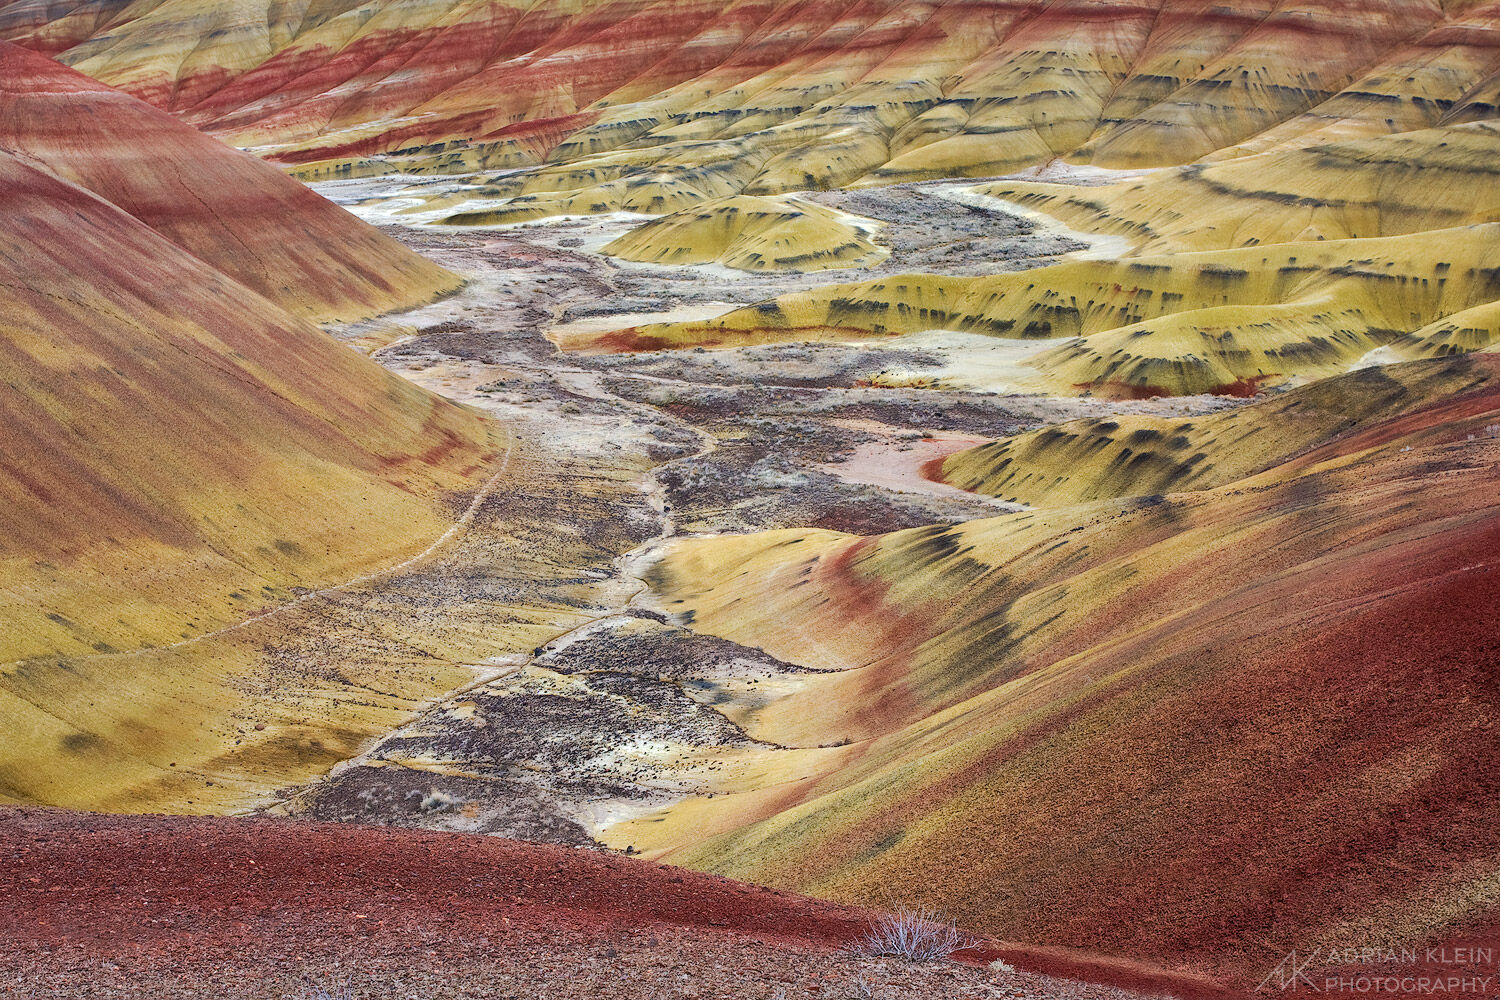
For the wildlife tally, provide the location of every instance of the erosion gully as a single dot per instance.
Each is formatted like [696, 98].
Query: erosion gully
[630, 712]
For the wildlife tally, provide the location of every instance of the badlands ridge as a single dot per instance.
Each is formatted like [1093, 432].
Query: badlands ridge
[1032, 460]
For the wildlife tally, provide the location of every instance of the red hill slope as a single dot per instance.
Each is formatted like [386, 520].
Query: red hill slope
[228, 209]
[248, 908]
[781, 94]
[172, 443]
[180, 453]
[1200, 729]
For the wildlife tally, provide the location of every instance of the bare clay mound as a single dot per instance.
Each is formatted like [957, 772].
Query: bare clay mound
[165, 907]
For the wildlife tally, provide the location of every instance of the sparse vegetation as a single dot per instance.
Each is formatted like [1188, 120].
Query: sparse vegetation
[916, 934]
[437, 800]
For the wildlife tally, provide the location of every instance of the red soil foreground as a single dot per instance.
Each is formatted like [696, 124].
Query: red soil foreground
[116, 906]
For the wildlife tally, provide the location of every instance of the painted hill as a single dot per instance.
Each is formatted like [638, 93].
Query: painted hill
[1249, 272]
[765, 96]
[1298, 123]
[177, 448]
[1223, 321]
[1430, 179]
[753, 234]
[180, 454]
[229, 210]
[1225, 691]
[1142, 725]
[196, 902]
[1127, 456]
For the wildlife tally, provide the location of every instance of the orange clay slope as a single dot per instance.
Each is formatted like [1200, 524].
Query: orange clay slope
[610, 97]
[224, 207]
[1199, 729]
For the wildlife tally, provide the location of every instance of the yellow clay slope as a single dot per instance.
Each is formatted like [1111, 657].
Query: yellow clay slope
[752, 234]
[1228, 321]
[1096, 459]
[1127, 724]
[1390, 186]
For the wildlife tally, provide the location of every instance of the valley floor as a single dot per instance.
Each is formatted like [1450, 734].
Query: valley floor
[657, 633]
[629, 714]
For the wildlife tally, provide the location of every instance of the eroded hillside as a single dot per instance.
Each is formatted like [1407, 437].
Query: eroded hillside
[183, 454]
[764, 96]
[1033, 460]
[1262, 130]
[1147, 725]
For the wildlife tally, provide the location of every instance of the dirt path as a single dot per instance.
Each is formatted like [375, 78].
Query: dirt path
[455, 530]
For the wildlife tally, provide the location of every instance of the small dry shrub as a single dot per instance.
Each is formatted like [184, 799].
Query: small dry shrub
[916, 934]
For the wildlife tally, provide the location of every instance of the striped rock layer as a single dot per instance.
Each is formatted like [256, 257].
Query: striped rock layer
[252, 224]
[181, 450]
[1201, 727]
[1266, 126]
[761, 96]
[1225, 691]
[1237, 274]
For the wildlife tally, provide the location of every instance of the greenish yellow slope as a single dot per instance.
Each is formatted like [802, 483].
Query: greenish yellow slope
[753, 234]
[1227, 321]
[1390, 186]
[1095, 459]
